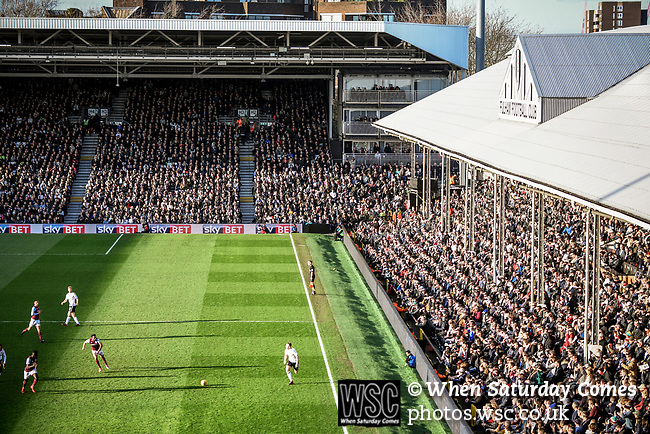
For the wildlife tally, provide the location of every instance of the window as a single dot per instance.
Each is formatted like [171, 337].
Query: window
[619, 23]
[619, 8]
[619, 16]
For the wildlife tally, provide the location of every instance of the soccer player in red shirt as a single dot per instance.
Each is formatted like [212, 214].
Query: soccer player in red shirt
[96, 347]
[30, 370]
[35, 321]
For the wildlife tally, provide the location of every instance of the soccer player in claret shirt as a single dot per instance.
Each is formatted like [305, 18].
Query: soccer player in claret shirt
[96, 347]
[291, 354]
[30, 371]
[35, 321]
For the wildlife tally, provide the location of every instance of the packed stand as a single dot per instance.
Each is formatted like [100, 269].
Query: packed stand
[491, 332]
[39, 146]
[172, 161]
[290, 153]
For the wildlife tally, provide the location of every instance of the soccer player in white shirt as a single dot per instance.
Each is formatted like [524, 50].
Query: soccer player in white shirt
[290, 361]
[73, 301]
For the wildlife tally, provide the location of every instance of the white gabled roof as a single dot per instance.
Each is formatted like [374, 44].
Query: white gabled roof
[597, 153]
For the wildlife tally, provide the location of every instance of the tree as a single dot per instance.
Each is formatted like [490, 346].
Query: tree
[411, 12]
[27, 8]
[207, 12]
[93, 13]
[501, 28]
[174, 10]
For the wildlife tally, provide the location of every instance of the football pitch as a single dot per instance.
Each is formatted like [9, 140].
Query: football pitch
[172, 310]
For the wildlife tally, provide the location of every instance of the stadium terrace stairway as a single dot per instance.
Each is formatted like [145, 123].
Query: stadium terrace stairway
[246, 170]
[118, 106]
[88, 151]
[78, 189]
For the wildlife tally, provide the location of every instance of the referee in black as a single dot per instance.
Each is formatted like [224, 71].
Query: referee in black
[312, 277]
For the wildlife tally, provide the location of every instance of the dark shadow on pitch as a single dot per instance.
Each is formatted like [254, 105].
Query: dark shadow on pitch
[103, 377]
[174, 368]
[138, 389]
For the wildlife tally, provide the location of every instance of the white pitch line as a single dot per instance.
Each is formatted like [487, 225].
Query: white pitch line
[313, 317]
[118, 239]
[169, 322]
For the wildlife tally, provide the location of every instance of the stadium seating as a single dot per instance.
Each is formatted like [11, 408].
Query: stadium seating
[172, 161]
[491, 332]
[39, 145]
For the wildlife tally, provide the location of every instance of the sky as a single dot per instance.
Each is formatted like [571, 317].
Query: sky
[552, 16]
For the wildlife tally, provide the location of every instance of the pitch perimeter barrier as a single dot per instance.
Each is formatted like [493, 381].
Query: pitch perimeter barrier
[423, 366]
[154, 228]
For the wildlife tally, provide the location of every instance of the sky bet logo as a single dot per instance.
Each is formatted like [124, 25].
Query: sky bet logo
[369, 402]
[223, 229]
[171, 229]
[64, 229]
[15, 229]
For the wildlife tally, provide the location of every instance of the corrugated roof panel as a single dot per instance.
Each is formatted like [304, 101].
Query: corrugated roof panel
[192, 25]
[583, 65]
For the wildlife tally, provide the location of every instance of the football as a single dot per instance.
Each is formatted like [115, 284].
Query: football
[203, 382]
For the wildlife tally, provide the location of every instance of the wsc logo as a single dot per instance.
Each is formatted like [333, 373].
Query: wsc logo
[369, 402]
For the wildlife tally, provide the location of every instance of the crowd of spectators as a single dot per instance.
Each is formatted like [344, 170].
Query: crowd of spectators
[292, 152]
[313, 194]
[493, 334]
[39, 147]
[171, 161]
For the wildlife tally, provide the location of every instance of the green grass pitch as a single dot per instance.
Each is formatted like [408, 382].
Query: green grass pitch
[172, 310]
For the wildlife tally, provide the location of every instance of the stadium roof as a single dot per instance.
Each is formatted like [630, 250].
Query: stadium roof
[443, 43]
[597, 153]
[570, 66]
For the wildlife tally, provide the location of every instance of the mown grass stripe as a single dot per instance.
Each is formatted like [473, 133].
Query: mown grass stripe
[252, 299]
[221, 258]
[252, 276]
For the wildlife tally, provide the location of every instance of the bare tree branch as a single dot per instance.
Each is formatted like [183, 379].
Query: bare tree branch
[208, 12]
[501, 28]
[173, 9]
[27, 8]
[411, 12]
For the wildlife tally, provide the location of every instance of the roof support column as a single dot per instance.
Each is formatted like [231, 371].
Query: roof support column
[494, 227]
[472, 209]
[541, 283]
[447, 192]
[330, 96]
[537, 294]
[463, 168]
[444, 196]
[498, 228]
[592, 284]
[533, 296]
[502, 239]
[425, 166]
